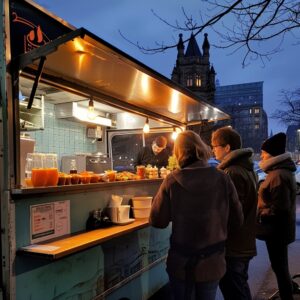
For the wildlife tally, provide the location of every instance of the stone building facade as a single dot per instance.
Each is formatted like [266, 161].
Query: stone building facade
[193, 69]
[243, 102]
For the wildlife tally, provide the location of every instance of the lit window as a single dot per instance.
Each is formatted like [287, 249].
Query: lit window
[256, 126]
[250, 111]
[189, 80]
[256, 110]
[198, 80]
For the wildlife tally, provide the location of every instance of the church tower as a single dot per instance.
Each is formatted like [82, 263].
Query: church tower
[193, 69]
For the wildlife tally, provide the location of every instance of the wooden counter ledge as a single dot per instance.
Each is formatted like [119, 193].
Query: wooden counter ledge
[68, 245]
[76, 188]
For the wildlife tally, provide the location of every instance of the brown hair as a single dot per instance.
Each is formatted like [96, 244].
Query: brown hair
[227, 136]
[189, 147]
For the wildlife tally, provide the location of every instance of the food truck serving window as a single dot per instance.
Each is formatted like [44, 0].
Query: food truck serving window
[124, 149]
[125, 146]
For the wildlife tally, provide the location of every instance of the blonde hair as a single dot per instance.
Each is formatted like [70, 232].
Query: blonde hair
[189, 147]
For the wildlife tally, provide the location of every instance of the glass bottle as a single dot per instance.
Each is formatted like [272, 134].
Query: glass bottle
[73, 168]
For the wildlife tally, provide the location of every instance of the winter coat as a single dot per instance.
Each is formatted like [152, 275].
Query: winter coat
[202, 204]
[147, 157]
[277, 196]
[238, 165]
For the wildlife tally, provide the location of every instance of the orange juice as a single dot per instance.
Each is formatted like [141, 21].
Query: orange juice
[68, 179]
[39, 177]
[61, 179]
[52, 177]
[141, 171]
[111, 175]
[75, 178]
[86, 178]
[95, 178]
[28, 182]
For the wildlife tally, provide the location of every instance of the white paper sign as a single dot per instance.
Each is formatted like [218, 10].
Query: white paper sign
[49, 220]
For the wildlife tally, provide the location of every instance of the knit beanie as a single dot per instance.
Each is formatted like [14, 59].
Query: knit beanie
[275, 145]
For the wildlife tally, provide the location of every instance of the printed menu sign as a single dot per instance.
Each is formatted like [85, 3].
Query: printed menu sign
[49, 220]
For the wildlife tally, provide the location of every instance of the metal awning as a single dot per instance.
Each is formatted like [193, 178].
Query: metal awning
[82, 61]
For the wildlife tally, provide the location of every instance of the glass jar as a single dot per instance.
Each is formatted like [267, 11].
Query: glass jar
[141, 172]
[73, 167]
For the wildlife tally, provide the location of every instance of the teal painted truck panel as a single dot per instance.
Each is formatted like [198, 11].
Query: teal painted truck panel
[144, 286]
[89, 273]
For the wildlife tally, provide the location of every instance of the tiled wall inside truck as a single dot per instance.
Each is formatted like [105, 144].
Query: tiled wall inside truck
[62, 136]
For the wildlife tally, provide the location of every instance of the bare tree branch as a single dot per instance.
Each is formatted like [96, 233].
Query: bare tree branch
[290, 102]
[257, 22]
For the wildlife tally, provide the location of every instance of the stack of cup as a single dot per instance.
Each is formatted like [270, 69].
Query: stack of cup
[117, 212]
[141, 206]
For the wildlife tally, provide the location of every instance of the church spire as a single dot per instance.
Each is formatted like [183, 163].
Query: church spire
[193, 48]
[205, 45]
[180, 46]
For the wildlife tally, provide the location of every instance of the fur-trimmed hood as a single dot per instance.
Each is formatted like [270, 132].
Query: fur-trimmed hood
[239, 157]
[282, 161]
[238, 165]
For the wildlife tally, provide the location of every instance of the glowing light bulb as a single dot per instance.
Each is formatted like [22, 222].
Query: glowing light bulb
[146, 128]
[174, 134]
[91, 110]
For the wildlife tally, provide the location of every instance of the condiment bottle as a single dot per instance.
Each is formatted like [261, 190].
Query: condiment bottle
[73, 168]
[141, 171]
[93, 222]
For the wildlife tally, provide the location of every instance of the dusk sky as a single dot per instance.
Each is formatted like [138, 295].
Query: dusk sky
[136, 21]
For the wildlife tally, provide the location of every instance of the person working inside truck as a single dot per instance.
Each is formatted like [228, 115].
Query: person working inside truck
[156, 155]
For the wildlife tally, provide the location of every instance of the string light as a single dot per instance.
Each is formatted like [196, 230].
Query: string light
[91, 110]
[174, 134]
[146, 128]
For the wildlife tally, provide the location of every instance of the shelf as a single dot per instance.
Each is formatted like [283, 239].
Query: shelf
[33, 118]
[33, 107]
[75, 188]
[53, 250]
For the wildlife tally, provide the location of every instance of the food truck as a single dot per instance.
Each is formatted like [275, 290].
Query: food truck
[71, 103]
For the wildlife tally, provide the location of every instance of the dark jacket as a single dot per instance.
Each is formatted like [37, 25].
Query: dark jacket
[147, 157]
[202, 204]
[277, 196]
[238, 165]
